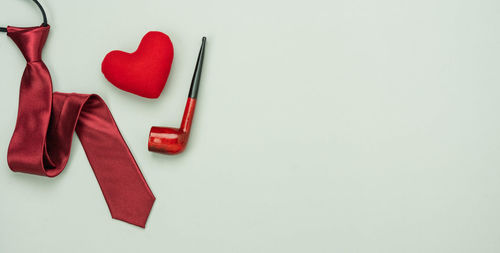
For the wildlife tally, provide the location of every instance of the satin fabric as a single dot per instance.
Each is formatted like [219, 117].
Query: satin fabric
[45, 124]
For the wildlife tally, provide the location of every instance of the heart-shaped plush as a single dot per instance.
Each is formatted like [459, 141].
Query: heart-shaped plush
[145, 71]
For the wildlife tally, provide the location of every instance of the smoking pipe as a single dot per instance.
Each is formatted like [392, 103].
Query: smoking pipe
[167, 140]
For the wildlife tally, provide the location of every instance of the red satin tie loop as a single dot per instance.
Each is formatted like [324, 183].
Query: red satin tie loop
[45, 124]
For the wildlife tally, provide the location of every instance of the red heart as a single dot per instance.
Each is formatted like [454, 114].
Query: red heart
[143, 72]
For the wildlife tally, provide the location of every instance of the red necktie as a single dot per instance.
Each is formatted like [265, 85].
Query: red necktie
[45, 124]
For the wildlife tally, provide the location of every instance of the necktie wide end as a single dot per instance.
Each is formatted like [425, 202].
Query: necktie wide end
[137, 217]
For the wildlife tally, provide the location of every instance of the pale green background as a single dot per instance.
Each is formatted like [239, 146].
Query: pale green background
[322, 126]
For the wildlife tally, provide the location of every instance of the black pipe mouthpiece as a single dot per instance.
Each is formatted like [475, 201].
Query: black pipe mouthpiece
[195, 83]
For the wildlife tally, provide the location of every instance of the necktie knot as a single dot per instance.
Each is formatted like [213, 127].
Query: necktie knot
[29, 40]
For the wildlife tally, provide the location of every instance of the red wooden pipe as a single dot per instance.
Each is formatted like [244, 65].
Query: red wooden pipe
[167, 140]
